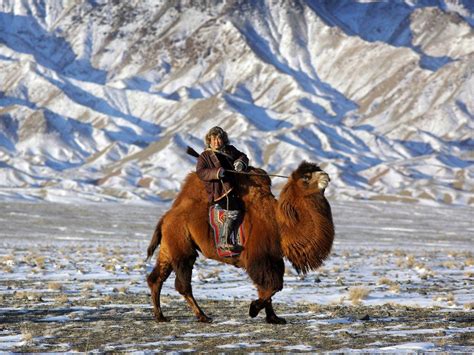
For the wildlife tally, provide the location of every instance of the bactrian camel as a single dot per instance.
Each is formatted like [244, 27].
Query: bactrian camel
[297, 226]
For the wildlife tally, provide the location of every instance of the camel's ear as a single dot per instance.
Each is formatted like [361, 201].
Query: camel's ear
[290, 212]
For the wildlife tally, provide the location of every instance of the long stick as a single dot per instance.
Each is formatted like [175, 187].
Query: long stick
[195, 154]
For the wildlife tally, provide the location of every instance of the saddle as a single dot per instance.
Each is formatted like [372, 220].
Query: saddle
[216, 220]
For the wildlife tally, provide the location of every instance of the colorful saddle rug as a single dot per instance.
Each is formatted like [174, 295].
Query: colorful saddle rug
[216, 219]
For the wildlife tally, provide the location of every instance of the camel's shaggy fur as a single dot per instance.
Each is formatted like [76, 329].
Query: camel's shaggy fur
[305, 219]
[298, 226]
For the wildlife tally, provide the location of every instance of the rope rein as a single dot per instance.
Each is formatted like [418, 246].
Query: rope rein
[195, 154]
[256, 174]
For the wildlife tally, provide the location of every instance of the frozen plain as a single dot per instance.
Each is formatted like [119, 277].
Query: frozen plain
[400, 277]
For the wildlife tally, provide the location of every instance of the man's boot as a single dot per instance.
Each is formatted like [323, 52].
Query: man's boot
[226, 242]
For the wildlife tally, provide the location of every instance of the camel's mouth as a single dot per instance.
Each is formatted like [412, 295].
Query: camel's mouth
[322, 179]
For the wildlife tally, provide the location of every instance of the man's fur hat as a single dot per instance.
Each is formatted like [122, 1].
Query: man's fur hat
[216, 131]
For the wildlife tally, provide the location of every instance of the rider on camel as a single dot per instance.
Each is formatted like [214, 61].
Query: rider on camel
[214, 167]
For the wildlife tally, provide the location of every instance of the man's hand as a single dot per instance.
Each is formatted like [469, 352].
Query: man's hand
[238, 165]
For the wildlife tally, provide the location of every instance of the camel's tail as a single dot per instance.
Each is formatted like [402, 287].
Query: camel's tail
[155, 240]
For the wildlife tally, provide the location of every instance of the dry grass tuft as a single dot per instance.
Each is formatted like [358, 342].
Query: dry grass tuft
[216, 274]
[313, 307]
[469, 262]
[381, 261]
[337, 302]
[122, 289]
[357, 294]
[88, 286]
[110, 267]
[420, 266]
[427, 274]
[288, 272]
[108, 298]
[469, 306]
[118, 257]
[399, 253]
[26, 335]
[7, 269]
[410, 261]
[39, 262]
[21, 295]
[55, 286]
[450, 264]
[140, 265]
[61, 299]
[340, 281]
[385, 281]
[395, 288]
[347, 266]
[454, 254]
[392, 304]
[7, 260]
[442, 342]
[323, 271]
[449, 298]
[469, 274]
[102, 250]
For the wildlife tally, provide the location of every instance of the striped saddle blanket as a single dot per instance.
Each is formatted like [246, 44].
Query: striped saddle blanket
[216, 219]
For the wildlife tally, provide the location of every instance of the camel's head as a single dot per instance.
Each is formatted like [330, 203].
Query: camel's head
[311, 177]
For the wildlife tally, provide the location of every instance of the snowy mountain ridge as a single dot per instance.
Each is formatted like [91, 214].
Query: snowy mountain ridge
[99, 99]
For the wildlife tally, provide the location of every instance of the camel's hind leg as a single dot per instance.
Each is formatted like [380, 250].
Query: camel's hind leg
[155, 280]
[265, 301]
[183, 270]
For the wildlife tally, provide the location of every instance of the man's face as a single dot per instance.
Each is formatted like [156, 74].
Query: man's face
[216, 142]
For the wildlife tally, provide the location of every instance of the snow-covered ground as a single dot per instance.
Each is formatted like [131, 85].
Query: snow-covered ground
[63, 264]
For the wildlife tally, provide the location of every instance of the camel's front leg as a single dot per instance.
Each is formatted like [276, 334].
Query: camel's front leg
[183, 270]
[265, 301]
[272, 318]
[256, 306]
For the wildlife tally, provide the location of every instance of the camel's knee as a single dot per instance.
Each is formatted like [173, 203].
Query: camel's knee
[159, 274]
[153, 276]
[183, 270]
[183, 287]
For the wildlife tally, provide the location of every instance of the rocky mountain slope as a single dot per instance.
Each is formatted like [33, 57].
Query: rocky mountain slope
[98, 99]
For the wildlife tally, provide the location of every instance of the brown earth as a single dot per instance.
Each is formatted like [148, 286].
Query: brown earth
[124, 322]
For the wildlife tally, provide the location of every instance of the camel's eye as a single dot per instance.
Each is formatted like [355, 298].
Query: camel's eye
[306, 177]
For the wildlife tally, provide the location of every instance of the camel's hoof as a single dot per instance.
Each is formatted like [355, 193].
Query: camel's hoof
[161, 318]
[254, 309]
[275, 320]
[204, 319]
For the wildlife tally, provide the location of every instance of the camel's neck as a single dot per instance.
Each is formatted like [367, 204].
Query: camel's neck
[321, 206]
[306, 227]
